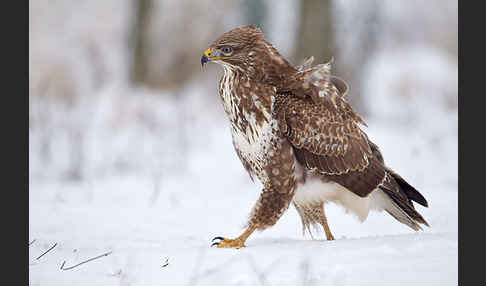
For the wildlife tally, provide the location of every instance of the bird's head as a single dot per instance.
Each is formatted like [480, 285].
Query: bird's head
[235, 48]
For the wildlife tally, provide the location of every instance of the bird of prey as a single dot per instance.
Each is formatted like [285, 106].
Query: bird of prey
[294, 130]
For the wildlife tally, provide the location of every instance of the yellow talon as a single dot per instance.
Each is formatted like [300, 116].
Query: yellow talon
[234, 243]
[230, 243]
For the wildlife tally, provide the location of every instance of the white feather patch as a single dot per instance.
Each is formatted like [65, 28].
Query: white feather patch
[314, 190]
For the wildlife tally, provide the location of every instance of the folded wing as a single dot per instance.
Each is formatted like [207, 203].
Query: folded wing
[330, 143]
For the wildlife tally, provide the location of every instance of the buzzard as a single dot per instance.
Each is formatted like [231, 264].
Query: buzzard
[294, 130]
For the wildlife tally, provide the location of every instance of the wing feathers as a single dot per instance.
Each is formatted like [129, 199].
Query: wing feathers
[334, 169]
[400, 197]
[330, 142]
[324, 131]
[411, 193]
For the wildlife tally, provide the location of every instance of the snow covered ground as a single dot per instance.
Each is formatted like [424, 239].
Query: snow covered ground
[146, 225]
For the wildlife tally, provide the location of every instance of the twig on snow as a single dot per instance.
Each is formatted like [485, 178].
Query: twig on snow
[30, 243]
[86, 261]
[52, 247]
[166, 262]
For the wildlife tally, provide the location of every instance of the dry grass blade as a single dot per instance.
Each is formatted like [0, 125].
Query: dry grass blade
[166, 262]
[86, 261]
[51, 248]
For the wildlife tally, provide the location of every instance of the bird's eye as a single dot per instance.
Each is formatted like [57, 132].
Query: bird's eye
[227, 50]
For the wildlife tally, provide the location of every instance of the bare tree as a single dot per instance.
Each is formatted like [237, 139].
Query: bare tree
[314, 33]
[321, 35]
[138, 40]
[355, 42]
[167, 38]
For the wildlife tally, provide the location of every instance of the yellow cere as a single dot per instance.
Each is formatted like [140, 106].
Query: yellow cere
[207, 52]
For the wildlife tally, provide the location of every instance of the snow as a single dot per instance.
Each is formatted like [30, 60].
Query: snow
[144, 226]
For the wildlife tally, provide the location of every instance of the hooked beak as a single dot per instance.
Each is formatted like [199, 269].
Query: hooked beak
[206, 57]
[212, 55]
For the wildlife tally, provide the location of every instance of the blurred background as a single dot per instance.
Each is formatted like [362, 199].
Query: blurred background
[116, 86]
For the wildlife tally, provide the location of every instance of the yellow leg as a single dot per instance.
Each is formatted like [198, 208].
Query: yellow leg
[234, 243]
[324, 224]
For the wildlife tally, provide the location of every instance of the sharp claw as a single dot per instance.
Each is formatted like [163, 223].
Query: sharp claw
[218, 237]
[216, 243]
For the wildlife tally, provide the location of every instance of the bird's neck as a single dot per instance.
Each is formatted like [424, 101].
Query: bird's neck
[245, 100]
[272, 69]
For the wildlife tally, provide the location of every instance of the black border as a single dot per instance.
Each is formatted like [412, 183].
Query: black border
[470, 167]
[14, 120]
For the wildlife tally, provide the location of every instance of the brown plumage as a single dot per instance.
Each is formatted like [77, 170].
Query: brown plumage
[293, 129]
